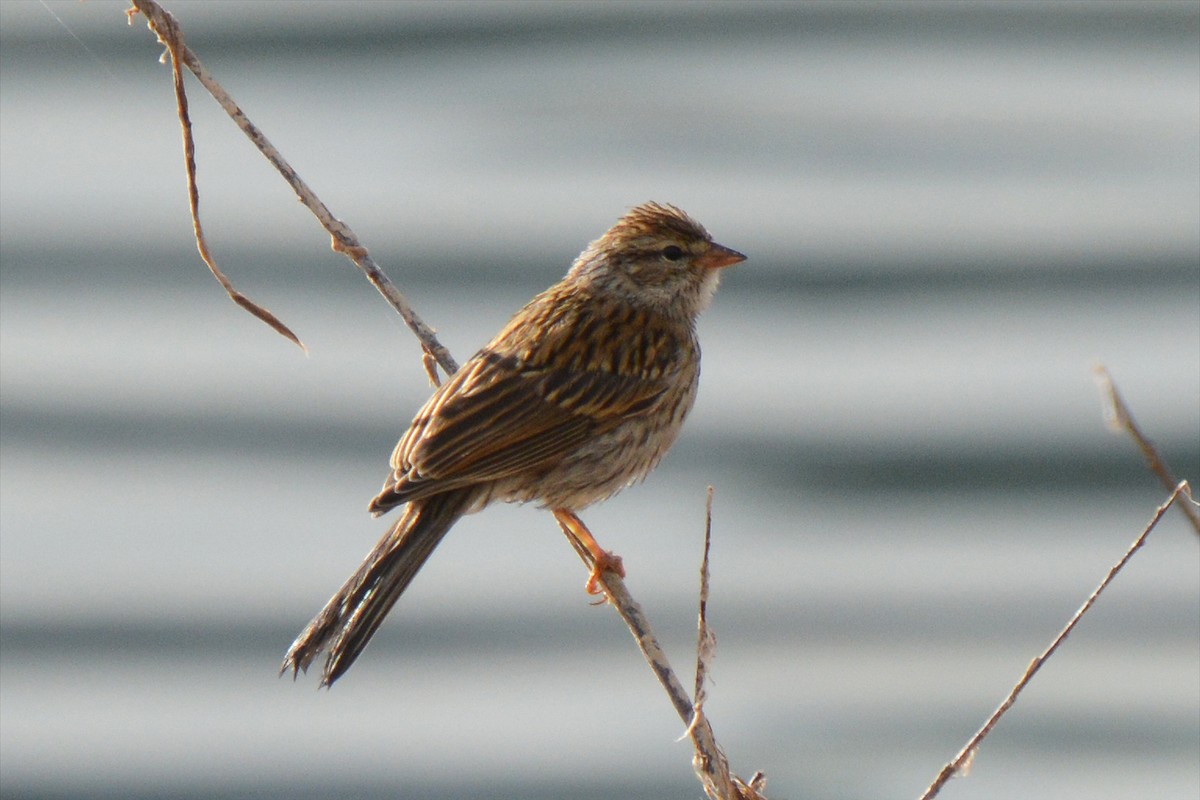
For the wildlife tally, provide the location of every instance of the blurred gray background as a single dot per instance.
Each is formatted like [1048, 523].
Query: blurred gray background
[951, 211]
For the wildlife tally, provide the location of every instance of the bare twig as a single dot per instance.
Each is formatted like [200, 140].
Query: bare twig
[169, 33]
[712, 768]
[635, 619]
[962, 762]
[344, 239]
[709, 761]
[706, 641]
[1121, 420]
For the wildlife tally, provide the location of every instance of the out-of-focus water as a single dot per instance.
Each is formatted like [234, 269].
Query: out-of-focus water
[951, 212]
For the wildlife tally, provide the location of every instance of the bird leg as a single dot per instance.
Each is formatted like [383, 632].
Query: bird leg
[582, 538]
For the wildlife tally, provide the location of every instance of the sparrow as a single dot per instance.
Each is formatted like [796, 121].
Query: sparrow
[581, 394]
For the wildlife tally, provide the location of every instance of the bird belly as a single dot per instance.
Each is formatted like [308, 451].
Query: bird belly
[611, 461]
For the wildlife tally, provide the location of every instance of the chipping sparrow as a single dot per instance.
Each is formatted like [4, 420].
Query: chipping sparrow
[578, 396]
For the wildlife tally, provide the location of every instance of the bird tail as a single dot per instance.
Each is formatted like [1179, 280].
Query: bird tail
[347, 622]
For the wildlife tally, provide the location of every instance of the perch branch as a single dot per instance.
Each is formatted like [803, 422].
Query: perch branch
[712, 768]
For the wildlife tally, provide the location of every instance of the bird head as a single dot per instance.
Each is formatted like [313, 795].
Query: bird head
[656, 256]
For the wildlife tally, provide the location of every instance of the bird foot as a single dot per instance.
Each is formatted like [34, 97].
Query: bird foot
[605, 562]
[602, 560]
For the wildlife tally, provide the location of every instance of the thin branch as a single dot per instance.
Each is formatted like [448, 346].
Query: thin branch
[169, 34]
[343, 238]
[706, 641]
[962, 762]
[712, 768]
[1120, 418]
[635, 619]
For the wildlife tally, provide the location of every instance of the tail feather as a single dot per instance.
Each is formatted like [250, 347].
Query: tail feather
[354, 613]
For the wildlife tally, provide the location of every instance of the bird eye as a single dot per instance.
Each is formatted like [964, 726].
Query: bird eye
[672, 253]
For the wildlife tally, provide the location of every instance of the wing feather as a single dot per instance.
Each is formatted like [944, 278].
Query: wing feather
[519, 406]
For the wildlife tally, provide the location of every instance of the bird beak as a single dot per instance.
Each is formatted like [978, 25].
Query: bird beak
[719, 256]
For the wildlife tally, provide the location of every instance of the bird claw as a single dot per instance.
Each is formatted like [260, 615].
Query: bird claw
[605, 562]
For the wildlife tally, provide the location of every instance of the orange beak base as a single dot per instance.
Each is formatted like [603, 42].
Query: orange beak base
[719, 257]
